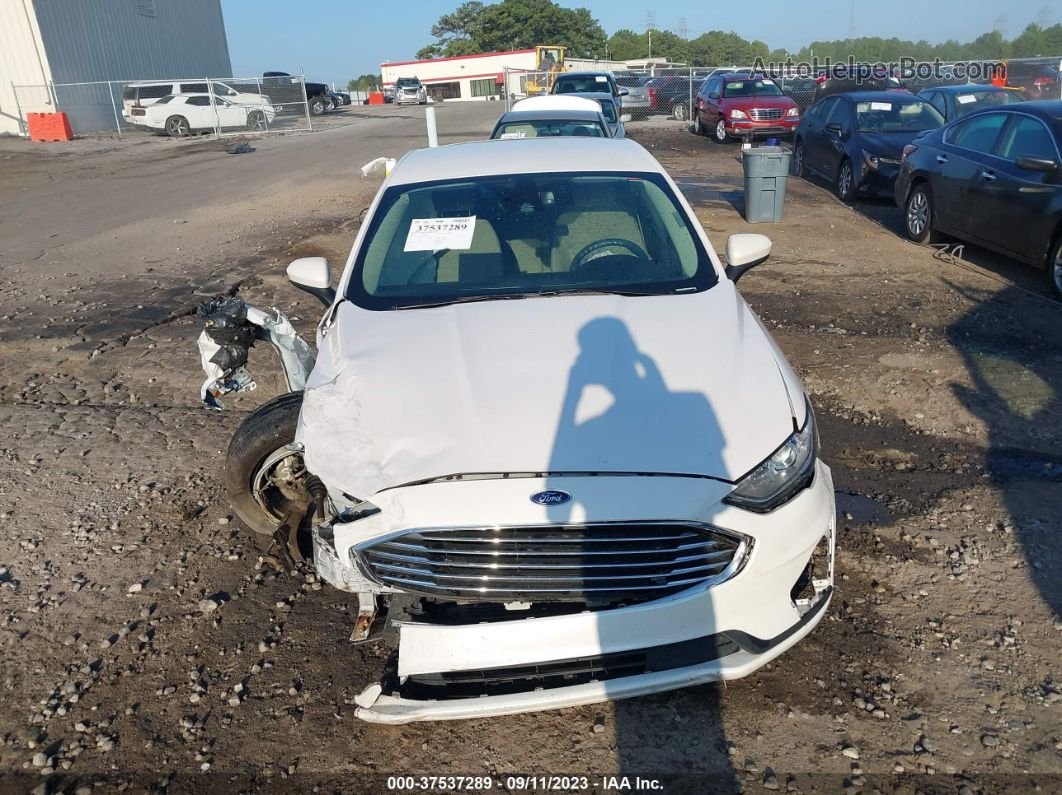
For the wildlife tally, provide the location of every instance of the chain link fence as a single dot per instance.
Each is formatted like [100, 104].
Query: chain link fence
[672, 93]
[177, 107]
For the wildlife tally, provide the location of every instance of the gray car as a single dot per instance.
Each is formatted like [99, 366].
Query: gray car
[637, 100]
[610, 109]
[410, 91]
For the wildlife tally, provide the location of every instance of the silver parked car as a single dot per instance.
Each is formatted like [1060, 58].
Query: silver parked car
[410, 91]
[636, 102]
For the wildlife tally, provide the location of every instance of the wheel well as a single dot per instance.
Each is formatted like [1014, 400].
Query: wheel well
[921, 179]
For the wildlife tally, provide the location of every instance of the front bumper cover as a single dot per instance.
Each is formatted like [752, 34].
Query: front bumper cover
[752, 618]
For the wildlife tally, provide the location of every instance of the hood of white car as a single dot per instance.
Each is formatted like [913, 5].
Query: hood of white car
[685, 385]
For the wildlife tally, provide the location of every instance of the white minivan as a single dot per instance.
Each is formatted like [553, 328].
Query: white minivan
[544, 443]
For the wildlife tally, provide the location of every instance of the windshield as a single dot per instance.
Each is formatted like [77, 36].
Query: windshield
[407, 82]
[751, 88]
[894, 116]
[969, 101]
[581, 84]
[527, 235]
[544, 128]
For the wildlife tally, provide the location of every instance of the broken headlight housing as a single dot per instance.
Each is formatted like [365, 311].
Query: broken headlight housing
[786, 472]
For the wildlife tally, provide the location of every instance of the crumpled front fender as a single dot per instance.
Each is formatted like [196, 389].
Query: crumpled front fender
[231, 328]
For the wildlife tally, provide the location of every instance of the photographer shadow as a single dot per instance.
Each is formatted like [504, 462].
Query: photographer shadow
[618, 416]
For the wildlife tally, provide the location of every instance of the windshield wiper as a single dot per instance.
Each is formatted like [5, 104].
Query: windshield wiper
[471, 299]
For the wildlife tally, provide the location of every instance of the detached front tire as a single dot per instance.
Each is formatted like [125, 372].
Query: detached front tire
[264, 473]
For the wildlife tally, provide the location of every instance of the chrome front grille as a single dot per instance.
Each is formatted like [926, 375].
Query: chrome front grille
[616, 562]
[766, 114]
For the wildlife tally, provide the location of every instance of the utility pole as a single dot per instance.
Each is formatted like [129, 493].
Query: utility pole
[650, 23]
[683, 28]
[851, 22]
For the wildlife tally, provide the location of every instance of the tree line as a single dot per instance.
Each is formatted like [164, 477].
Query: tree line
[474, 27]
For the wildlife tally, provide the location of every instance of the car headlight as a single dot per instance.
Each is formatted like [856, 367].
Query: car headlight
[793, 113]
[787, 471]
[872, 161]
[738, 114]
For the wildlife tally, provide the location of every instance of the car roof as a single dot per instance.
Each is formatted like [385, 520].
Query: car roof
[558, 114]
[557, 102]
[583, 74]
[486, 158]
[969, 88]
[877, 96]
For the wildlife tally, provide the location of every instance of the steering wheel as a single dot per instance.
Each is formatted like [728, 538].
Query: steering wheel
[584, 256]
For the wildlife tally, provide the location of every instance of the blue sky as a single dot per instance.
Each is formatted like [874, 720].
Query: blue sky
[334, 40]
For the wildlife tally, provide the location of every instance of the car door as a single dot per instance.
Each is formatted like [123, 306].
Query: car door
[230, 114]
[967, 165]
[709, 102]
[815, 131]
[831, 143]
[1019, 198]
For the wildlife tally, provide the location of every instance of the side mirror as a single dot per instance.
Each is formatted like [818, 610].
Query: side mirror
[835, 129]
[1038, 164]
[744, 252]
[312, 275]
[626, 118]
[623, 92]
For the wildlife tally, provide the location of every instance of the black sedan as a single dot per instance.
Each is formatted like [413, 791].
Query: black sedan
[855, 140]
[993, 178]
[954, 102]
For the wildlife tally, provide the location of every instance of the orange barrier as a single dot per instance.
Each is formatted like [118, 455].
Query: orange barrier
[49, 127]
[376, 98]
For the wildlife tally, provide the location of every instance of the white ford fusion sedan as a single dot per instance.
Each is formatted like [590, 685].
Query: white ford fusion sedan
[547, 447]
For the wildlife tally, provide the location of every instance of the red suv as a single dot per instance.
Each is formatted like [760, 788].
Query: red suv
[743, 106]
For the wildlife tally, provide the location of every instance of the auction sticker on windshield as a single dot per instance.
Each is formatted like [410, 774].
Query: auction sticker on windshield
[434, 234]
[966, 99]
[881, 106]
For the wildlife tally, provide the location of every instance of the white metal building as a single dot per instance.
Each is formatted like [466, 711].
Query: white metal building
[46, 42]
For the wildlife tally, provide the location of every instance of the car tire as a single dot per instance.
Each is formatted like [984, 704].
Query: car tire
[330, 105]
[844, 183]
[918, 215]
[679, 111]
[177, 127]
[256, 121]
[698, 128]
[259, 444]
[721, 136]
[800, 164]
[317, 106]
[1054, 268]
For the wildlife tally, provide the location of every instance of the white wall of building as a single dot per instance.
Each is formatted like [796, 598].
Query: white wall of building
[461, 72]
[82, 41]
[22, 61]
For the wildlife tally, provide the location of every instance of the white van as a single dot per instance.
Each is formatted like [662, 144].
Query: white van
[138, 96]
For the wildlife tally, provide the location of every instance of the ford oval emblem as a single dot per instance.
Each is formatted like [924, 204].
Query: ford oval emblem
[551, 497]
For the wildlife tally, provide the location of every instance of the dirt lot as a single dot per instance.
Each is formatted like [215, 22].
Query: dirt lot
[938, 387]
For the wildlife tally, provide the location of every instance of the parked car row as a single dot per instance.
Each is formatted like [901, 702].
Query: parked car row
[200, 105]
[978, 163]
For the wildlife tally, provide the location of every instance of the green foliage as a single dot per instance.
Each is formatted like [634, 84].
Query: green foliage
[365, 83]
[476, 27]
[513, 25]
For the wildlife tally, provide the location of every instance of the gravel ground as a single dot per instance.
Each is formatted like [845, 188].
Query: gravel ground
[142, 645]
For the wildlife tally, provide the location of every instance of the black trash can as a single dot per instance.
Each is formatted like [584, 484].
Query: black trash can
[766, 171]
